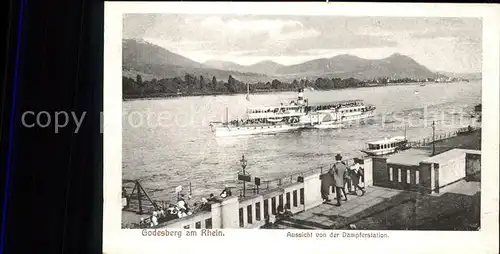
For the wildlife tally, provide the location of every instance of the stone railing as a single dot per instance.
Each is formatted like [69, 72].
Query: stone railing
[432, 175]
[254, 211]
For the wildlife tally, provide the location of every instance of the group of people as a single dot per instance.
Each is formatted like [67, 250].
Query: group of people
[164, 213]
[339, 176]
[181, 208]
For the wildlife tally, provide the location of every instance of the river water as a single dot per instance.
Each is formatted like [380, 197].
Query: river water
[168, 142]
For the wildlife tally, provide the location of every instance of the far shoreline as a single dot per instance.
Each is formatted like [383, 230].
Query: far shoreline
[163, 96]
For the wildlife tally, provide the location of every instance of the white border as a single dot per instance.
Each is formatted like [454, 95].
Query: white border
[116, 240]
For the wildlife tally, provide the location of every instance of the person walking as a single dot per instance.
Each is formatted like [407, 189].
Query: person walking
[347, 179]
[339, 170]
[326, 184]
[355, 177]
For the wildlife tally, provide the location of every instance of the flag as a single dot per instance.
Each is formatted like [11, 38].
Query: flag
[178, 189]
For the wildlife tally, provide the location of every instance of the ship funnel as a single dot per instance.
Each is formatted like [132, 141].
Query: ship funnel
[300, 97]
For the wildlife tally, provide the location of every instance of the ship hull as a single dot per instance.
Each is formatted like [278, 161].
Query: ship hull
[380, 152]
[349, 118]
[328, 125]
[336, 123]
[229, 131]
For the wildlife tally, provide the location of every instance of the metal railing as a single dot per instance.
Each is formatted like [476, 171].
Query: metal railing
[441, 136]
[267, 185]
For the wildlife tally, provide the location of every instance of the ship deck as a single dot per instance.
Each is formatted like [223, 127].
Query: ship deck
[261, 125]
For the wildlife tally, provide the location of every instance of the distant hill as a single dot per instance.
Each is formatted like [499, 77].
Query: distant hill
[152, 61]
[224, 65]
[141, 57]
[136, 51]
[394, 66]
[264, 67]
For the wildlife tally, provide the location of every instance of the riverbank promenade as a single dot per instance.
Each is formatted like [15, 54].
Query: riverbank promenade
[384, 208]
[395, 200]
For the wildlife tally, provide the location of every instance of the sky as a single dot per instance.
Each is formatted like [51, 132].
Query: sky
[440, 44]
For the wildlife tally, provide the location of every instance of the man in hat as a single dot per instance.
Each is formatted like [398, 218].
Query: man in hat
[339, 170]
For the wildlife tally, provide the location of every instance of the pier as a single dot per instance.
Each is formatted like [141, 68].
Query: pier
[412, 189]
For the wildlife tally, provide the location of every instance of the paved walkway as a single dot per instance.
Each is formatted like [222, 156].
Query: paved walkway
[327, 215]
[383, 208]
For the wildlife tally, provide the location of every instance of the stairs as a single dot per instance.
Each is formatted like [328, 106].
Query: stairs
[291, 223]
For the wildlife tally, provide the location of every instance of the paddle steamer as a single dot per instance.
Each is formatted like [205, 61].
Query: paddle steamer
[293, 116]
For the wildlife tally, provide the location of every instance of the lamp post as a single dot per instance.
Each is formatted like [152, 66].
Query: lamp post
[243, 162]
[433, 138]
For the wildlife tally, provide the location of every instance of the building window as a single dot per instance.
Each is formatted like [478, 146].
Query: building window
[208, 223]
[295, 198]
[417, 177]
[408, 175]
[186, 227]
[302, 196]
[390, 175]
[280, 200]
[249, 214]
[197, 225]
[399, 175]
[257, 211]
[273, 205]
[242, 223]
[266, 208]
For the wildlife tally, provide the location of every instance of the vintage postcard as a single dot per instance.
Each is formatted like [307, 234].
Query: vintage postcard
[320, 122]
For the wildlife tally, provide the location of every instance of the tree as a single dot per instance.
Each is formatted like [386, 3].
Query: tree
[214, 83]
[302, 83]
[139, 80]
[231, 84]
[202, 83]
[187, 79]
[268, 85]
[275, 84]
[128, 86]
[230, 80]
[190, 83]
[307, 83]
